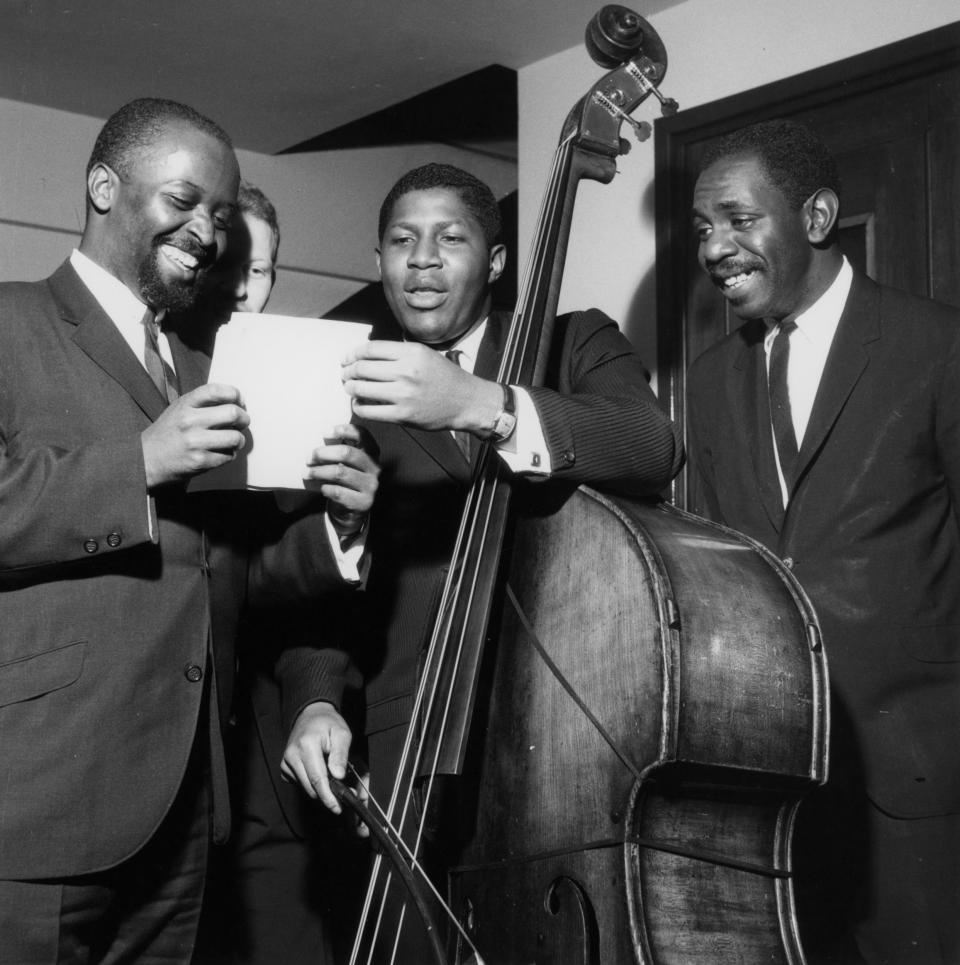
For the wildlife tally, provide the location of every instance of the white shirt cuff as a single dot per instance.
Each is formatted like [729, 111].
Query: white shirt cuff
[352, 562]
[526, 450]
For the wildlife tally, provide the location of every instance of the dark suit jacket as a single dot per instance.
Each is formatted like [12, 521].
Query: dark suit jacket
[105, 628]
[871, 528]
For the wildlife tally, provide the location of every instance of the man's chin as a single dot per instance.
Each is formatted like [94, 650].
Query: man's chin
[170, 294]
[177, 299]
[748, 300]
[744, 306]
[432, 328]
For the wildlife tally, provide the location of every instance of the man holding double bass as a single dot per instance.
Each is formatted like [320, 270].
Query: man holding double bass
[426, 385]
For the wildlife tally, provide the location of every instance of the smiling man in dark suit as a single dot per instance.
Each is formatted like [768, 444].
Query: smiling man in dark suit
[828, 428]
[119, 590]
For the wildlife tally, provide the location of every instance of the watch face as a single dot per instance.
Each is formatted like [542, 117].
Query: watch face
[506, 423]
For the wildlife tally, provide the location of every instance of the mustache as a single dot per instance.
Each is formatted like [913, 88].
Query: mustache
[729, 267]
[206, 255]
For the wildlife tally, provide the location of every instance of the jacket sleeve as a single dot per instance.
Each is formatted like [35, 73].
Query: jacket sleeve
[307, 674]
[602, 422]
[308, 649]
[291, 559]
[61, 505]
[304, 609]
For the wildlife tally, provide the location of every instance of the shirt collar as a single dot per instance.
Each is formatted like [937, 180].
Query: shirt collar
[114, 297]
[826, 310]
[819, 322]
[469, 345]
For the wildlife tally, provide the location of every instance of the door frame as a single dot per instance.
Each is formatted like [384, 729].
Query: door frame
[677, 142]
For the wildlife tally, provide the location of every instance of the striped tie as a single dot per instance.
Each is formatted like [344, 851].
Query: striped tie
[164, 378]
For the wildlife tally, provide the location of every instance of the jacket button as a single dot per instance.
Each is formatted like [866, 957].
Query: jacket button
[114, 540]
[90, 546]
[193, 672]
[568, 457]
[788, 562]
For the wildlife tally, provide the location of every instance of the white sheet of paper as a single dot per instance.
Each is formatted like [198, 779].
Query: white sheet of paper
[288, 371]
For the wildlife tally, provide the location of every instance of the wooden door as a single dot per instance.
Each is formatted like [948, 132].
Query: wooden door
[892, 119]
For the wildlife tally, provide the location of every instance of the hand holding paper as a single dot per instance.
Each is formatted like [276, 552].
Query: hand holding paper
[412, 384]
[202, 429]
[288, 372]
[345, 472]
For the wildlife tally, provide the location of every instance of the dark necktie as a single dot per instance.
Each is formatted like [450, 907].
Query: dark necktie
[780, 416]
[164, 378]
[461, 438]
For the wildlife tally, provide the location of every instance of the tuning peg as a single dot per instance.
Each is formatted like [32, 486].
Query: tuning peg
[668, 106]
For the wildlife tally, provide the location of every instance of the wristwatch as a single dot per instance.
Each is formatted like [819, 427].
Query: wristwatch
[506, 420]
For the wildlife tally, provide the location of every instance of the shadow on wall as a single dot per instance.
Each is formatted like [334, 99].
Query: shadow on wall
[640, 323]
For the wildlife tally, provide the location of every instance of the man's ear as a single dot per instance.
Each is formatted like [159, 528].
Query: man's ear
[102, 187]
[498, 260]
[379, 272]
[822, 208]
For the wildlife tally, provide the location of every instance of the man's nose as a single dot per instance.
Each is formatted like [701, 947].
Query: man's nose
[240, 286]
[716, 246]
[202, 227]
[424, 253]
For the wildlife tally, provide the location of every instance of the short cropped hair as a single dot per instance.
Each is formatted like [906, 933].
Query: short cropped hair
[251, 200]
[476, 196]
[794, 158]
[138, 124]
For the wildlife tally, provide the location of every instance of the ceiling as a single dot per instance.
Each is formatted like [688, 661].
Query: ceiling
[274, 73]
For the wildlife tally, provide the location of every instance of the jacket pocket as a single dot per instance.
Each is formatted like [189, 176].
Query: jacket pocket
[41, 673]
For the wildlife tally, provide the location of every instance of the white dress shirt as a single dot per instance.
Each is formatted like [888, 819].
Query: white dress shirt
[809, 347]
[526, 450]
[124, 308]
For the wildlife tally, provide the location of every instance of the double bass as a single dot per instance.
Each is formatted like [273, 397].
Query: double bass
[632, 701]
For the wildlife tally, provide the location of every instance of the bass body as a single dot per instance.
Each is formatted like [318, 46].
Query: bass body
[657, 707]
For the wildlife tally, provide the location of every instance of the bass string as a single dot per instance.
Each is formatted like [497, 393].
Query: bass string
[427, 696]
[474, 525]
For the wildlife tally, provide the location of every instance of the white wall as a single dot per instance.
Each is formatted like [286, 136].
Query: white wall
[328, 205]
[327, 202]
[41, 187]
[714, 50]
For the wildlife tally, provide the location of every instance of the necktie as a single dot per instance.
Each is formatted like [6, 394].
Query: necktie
[164, 378]
[780, 416]
[461, 438]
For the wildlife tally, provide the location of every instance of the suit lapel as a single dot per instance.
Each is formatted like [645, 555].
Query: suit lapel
[491, 347]
[845, 364]
[754, 416]
[96, 335]
[442, 449]
[440, 446]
